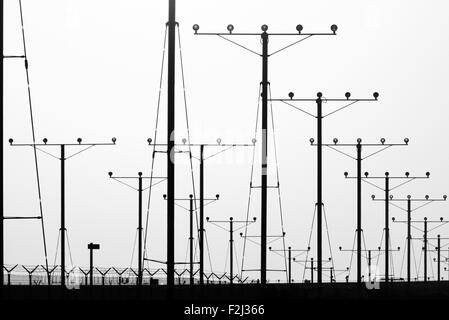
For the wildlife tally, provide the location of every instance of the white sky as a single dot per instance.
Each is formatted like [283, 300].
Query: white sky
[94, 69]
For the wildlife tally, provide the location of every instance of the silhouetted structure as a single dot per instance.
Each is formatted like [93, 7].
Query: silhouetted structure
[265, 92]
[62, 158]
[427, 200]
[387, 189]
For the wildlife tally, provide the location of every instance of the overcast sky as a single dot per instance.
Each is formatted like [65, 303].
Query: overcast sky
[94, 72]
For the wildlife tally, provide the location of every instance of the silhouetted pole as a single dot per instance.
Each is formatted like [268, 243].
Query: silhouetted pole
[62, 229]
[62, 158]
[201, 239]
[140, 229]
[289, 251]
[289, 264]
[191, 237]
[388, 188]
[425, 249]
[369, 265]
[2, 176]
[264, 172]
[139, 190]
[359, 211]
[387, 227]
[409, 237]
[359, 146]
[319, 144]
[319, 186]
[425, 238]
[231, 250]
[231, 230]
[264, 166]
[171, 145]
[438, 257]
[311, 270]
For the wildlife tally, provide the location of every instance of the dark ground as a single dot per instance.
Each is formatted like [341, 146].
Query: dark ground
[280, 301]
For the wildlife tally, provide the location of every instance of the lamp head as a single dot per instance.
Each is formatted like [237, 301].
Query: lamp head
[264, 28]
[366, 174]
[406, 140]
[359, 140]
[164, 196]
[388, 174]
[191, 196]
[346, 174]
[312, 140]
[444, 197]
[299, 28]
[335, 140]
[79, 140]
[254, 219]
[319, 94]
[376, 95]
[114, 140]
[196, 28]
[230, 28]
[291, 95]
[45, 140]
[339, 248]
[348, 95]
[184, 140]
[254, 140]
[427, 197]
[110, 174]
[207, 218]
[149, 140]
[407, 174]
[334, 28]
[139, 174]
[393, 219]
[409, 197]
[11, 141]
[427, 174]
[382, 140]
[219, 141]
[391, 197]
[217, 196]
[373, 196]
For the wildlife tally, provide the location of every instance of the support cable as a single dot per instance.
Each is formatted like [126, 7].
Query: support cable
[33, 135]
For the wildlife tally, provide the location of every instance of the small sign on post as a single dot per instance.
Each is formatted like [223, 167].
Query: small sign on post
[92, 246]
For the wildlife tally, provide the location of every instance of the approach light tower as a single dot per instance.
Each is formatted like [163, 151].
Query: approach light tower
[264, 35]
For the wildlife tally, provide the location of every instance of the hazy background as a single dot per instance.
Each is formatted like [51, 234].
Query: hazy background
[94, 69]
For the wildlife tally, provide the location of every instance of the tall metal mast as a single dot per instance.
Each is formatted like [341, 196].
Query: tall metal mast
[171, 145]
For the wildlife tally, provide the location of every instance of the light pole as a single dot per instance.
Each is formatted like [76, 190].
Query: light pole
[439, 223]
[388, 187]
[62, 158]
[191, 238]
[264, 36]
[359, 158]
[139, 190]
[319, 117]
[290, 258]
[202, 158]
[369, 258]
[231, 231]
[409, 200]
